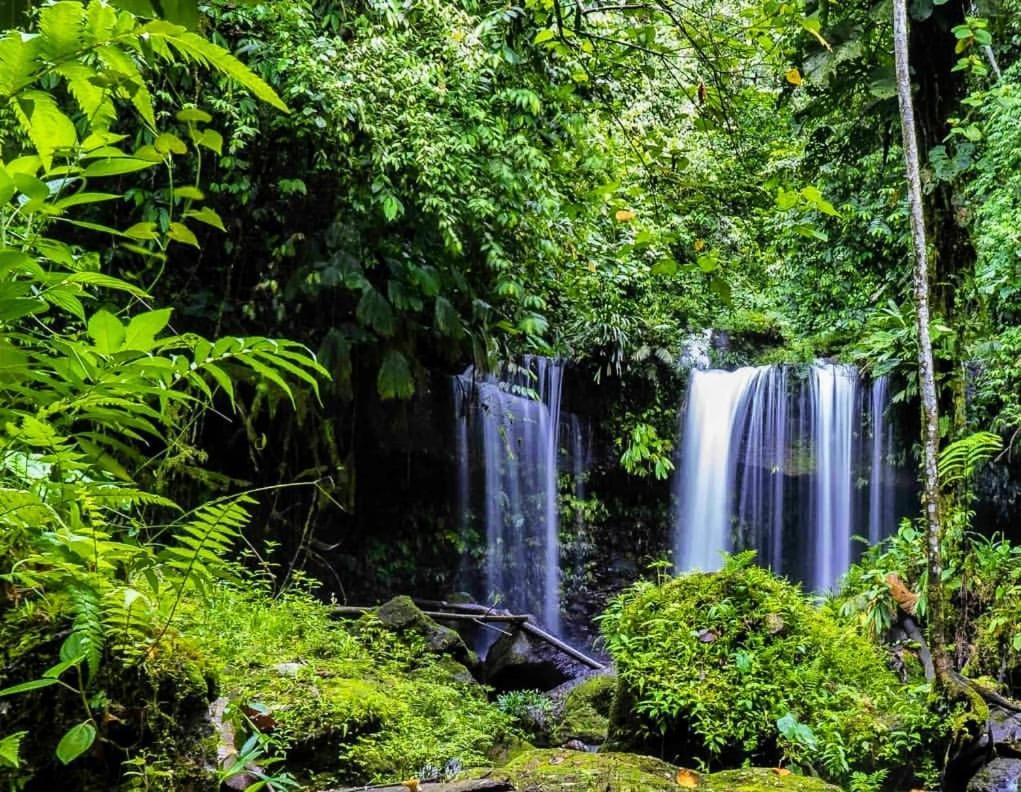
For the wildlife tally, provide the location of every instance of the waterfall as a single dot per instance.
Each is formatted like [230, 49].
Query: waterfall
[881, 475]
[509, 427]
[773, 459]
[834, 391]
[717, 402]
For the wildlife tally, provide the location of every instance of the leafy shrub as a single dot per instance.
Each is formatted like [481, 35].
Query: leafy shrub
[531, 710]
[737, 666]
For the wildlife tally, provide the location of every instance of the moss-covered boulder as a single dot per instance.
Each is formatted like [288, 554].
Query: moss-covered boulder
[739, 667]
[578, 771]
[347, 702]
[402, 615]
[585, 713]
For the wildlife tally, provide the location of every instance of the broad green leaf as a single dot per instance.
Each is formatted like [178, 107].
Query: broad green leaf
[76, 741]
[142, 329]
[106, 332]
[179, 232]
[207, 216]
[116, 166]
[45, 124]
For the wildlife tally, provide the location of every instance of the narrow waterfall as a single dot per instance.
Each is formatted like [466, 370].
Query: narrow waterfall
[834, 391]
[881, 476]
[790, 463]
[507, 432]
[717, 402]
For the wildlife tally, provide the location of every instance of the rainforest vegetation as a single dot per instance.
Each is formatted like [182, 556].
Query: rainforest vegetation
[272, 273]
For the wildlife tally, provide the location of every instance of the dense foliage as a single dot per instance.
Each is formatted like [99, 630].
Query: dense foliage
[737, 666]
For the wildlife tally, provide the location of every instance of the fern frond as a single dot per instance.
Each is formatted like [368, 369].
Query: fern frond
[87, 629]
[961, 459]
[202, 544]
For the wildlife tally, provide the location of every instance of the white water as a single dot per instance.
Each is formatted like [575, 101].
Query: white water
[705, 486]
[779, 465]
[833, 394]
[509, 427]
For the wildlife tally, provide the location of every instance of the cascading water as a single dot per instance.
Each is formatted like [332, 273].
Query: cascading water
[881, 475]
[834, 392]
[771, 460]
[509, 427]
[716, 408]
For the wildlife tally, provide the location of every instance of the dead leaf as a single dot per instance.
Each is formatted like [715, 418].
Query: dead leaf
[558, 759]
[411, 784]
[624, 215]
[794, 76]
[781, 771]
[707, 636]
[902, 595]
[688, 779]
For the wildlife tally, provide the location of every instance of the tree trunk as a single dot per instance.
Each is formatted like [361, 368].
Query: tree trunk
[926, 366]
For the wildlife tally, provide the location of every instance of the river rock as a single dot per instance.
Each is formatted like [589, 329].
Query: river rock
[1003, 774]
[519, 661]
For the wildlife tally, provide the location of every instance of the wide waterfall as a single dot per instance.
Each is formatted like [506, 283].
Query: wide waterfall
[790, 463]
[507, 431]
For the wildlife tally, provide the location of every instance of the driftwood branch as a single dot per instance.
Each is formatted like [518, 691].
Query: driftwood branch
[483, 615]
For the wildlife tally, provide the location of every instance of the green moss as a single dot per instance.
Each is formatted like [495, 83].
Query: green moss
[577, 771]
[759, 779]
[586, 711]
[738, 667]
[349, 701]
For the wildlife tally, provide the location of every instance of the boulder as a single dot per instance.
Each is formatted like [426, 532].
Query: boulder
[585, 711]
[402, 615]
[1003, 774]
[575, 771]
[519, 661]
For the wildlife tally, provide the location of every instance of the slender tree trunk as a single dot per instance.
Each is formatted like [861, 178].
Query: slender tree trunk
[926, 365]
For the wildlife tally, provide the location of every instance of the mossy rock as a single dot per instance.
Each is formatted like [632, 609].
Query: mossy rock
[577, 771]
[402, 615]
[554, 770]
[586, 711]
[763, 779]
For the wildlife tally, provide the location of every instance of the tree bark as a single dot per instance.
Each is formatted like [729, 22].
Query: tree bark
[926, 365]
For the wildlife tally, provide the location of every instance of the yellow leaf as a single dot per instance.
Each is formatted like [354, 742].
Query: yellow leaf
[411, 784]
[688, 779]
[699, 245]
[624, 215]
[781, 771]
[591, 266]
[794, 76]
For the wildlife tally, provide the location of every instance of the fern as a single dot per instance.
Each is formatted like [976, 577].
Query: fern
[961, 459]
[203, 543]
[88, 631]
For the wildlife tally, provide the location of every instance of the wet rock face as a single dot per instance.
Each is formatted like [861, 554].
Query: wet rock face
[520, 662]
[1003, 774]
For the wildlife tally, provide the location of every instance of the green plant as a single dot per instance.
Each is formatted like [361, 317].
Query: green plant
[779, 679]
[96, 385]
